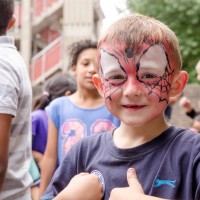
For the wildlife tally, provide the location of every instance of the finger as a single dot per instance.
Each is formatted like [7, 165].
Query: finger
[133, 180]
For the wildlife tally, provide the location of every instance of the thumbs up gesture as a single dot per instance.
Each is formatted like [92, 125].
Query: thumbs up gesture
[133, 192]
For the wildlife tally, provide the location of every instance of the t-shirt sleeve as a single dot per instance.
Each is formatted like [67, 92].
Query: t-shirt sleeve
[9, 87]
[53, 110]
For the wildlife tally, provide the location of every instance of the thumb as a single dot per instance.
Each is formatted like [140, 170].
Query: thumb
[133, 180]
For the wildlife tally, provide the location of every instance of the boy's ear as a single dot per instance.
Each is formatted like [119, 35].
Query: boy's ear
[98, 84]
[11, 23]
[179, 83]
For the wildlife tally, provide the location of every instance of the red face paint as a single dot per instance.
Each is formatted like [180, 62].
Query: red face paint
[135, 81]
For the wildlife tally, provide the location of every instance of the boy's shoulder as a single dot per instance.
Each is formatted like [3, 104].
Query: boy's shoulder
[185, 140]
[185, 133]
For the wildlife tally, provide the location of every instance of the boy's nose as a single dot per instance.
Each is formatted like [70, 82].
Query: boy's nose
[132, 88]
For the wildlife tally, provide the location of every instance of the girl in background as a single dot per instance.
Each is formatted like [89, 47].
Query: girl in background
[57, 86]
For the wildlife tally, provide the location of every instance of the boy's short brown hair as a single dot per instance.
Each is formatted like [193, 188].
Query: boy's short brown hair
[135, 29]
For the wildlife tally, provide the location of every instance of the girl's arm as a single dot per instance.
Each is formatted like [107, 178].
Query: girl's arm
[50, 157]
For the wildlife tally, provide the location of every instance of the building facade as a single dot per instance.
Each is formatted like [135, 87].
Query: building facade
[45, 28]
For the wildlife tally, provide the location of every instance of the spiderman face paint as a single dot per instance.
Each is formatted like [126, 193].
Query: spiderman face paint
[135, 80]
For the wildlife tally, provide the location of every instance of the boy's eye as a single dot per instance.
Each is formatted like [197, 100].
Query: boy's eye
[117, 80]
[117, 77]
[148, 76]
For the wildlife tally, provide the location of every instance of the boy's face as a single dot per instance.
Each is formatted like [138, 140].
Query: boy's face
[136, 85]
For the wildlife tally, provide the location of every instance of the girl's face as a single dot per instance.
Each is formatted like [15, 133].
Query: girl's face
[85, 68]
[136, 85]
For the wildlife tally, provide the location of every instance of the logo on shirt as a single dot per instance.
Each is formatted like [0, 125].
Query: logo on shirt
[72, 131]
[101, 179]
[159, 182]
[101, 125]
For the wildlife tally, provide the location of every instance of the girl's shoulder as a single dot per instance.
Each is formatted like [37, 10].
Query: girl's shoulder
[60, 100]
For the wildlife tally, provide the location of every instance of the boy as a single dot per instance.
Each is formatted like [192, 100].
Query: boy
[139, 67]
[15, 108]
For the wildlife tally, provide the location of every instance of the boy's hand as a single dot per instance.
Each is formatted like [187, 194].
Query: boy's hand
[83, 186]
[134, 191]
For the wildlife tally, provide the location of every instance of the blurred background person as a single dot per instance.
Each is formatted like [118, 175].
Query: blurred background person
[169, 109]
[15, 108]
[186, 104]
[57, 86]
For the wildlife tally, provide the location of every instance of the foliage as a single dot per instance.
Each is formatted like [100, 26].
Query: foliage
[183, 17]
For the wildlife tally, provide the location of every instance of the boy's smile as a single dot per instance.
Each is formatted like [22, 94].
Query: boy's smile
[135, 81]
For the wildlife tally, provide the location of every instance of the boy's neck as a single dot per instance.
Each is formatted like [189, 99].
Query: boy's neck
[128, 137]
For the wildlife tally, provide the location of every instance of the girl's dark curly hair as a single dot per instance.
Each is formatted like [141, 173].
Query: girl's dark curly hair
[77, 47]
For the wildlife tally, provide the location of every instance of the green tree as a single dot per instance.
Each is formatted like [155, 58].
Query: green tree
[183, 17]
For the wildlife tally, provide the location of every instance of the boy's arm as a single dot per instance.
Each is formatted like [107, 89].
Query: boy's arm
[82, 186]
[5, 124]
[134, 191]
[49, 160]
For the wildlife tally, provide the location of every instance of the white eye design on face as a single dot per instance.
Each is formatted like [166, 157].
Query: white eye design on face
[112, 70]
[153, 64]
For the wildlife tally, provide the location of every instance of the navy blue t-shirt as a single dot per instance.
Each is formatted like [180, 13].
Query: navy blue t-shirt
[167, 167]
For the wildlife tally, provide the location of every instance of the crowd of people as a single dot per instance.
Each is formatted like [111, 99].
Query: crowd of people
[101, 130]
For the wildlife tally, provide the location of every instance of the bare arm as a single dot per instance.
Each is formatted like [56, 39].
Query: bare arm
[134, 191]
[5, 124]
[38, 158]
[49, 158]
[83, 186]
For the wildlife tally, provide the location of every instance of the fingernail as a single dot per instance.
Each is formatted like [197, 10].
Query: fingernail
[131, 170]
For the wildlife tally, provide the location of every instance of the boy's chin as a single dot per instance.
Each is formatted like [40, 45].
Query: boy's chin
[139, 121]
[134, 123]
